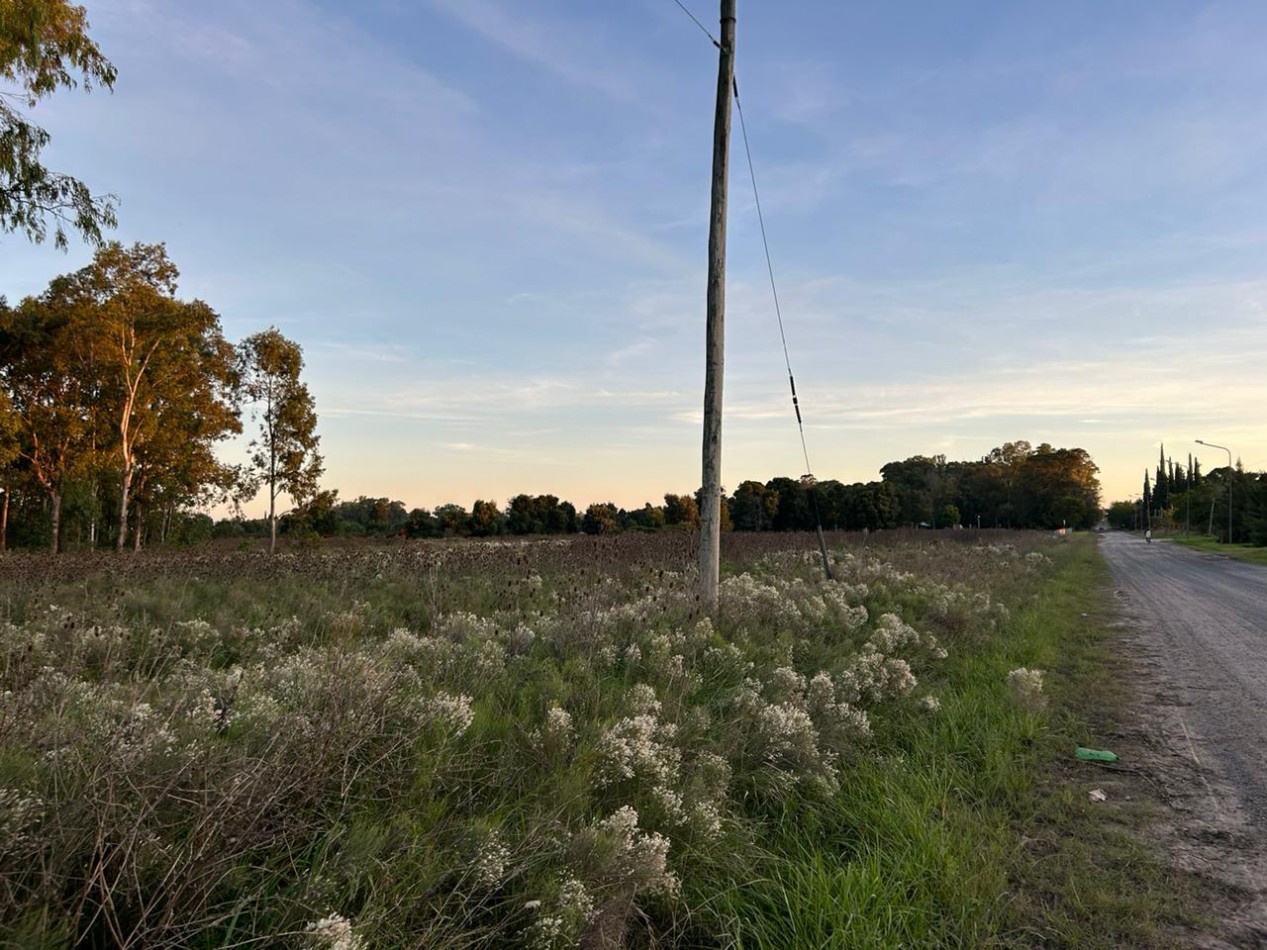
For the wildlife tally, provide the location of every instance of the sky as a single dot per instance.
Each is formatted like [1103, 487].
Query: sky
[485, 222]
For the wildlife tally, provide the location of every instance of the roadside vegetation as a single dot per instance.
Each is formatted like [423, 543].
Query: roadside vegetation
[543, 743]
[1241, 552]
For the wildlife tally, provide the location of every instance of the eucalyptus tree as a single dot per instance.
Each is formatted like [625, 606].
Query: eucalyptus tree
[284, 457]
[44, 46]
[50, 398]
[192, 409]
[9, 449]
[164, 370]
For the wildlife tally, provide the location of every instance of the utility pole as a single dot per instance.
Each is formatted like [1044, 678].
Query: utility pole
[715, 350]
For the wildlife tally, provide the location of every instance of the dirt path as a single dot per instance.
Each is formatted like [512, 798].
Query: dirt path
[1197, 638]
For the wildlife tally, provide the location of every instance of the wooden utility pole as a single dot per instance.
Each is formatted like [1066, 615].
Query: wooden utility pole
[715, 350]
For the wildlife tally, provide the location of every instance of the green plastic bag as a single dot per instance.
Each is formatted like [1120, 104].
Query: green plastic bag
[1094, 755]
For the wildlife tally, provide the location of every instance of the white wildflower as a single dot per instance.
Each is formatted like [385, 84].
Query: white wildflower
[491, 859]
[642, 698]
[453, 713]
[335, 933]
[1027, 687]
[558, 724]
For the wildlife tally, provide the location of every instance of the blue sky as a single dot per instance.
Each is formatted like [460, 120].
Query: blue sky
[485, 221]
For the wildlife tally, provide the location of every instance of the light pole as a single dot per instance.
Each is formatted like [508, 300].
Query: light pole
[1229, 483]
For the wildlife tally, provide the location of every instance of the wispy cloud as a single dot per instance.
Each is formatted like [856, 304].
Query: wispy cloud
[558, 47]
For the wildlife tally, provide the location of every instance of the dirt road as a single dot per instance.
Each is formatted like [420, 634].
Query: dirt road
[1197, 638]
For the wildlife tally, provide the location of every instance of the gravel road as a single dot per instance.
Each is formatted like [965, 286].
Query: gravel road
[1197, 640]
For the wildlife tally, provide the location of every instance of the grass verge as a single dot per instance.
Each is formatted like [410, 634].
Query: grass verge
[1241, 552]
[977, 829]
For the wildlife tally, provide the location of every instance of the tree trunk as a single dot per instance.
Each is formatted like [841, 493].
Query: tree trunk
[125, 486]
[55, 544]
[272, 522]
[4, 522]
[136, 531]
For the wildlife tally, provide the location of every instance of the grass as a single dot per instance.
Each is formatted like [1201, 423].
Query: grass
[1086, 876]
[545, 744]
[978, 832]
[1240, 552]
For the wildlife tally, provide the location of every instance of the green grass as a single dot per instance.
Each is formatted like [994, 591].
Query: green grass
[1086, 876]
[1241, 552]
[978, 832]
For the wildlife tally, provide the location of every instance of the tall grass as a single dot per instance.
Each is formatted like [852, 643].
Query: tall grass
[532, 744]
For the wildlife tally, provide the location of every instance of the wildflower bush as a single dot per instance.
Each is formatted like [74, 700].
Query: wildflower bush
[537, 744]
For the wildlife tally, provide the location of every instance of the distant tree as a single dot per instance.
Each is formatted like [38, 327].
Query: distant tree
[1161, 489]
[320, 513]
[1121, 514]
[487, 519]
[422, 524]
[43, 45]
[1007, 465]
[539, 514]
[1059, 487]
[647, 518]
[522, 516]
[916, 479]
[873, 506]
[1255, 517]
[753, 507]
[681, 510]
[562, 518]
[284, 457]
[453, 520]
[948, 517]
[378, 516]
[831, 499]
[601, 518]
[792, 511]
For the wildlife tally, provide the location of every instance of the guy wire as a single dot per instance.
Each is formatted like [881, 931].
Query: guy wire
[778, 311]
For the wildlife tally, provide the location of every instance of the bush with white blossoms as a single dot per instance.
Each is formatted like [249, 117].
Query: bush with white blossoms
[1027, 687]
[561, 922]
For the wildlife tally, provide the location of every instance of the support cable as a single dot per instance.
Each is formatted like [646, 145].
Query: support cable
[778, 311]
[698, 23]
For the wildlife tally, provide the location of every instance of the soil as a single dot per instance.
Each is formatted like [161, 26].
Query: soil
[1194, 633]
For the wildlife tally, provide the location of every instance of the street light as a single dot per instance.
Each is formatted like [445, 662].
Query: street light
[1229, 483]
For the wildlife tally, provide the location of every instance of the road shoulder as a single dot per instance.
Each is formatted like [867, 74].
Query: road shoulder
[1192, 814]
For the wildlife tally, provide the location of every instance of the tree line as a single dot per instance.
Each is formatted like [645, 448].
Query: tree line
[1015, 486]
[114, 394]
[1174, 497]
